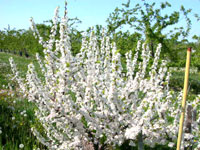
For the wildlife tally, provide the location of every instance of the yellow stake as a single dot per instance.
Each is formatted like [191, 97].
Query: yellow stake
[180, 133]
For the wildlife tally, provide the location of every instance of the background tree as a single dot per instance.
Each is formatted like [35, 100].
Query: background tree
[17, 40]
[148, 21]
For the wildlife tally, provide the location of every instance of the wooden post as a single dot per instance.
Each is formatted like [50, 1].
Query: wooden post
[187, 68]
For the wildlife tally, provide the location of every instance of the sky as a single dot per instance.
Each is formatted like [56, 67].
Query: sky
[17, 13]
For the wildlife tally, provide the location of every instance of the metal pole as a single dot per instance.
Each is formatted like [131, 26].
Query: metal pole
[180, 133]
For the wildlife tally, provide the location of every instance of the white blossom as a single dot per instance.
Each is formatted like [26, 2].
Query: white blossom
[87, 97]
[21, 146]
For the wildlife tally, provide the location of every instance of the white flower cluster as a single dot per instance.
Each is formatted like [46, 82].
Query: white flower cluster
[88, 97]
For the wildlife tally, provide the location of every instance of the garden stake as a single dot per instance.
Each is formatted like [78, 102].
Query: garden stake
[180, 133]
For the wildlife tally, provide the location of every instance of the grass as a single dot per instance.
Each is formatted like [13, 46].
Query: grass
[22, 63]
[17, 115]
[177, 82]
[16, 119]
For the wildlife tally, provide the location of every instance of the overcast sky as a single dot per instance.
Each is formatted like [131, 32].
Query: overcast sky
[17, 13]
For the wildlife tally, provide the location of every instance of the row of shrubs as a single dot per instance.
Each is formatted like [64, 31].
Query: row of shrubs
[17, 52]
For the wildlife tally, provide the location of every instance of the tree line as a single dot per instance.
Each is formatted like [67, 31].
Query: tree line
[146, 22]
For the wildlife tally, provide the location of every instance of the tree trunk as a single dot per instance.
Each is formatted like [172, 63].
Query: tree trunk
[140, 142]
[87, 145]
[152, 49]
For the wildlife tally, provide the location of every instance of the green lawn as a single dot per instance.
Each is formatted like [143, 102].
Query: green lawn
[22, 63]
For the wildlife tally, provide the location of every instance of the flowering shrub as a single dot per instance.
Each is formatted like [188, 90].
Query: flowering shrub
[88, 100]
